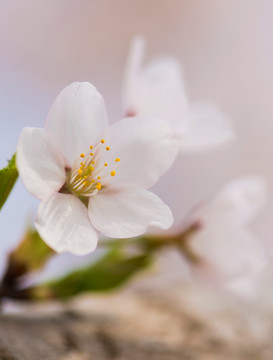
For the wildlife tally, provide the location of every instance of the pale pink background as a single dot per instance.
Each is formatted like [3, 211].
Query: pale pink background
[227, 51]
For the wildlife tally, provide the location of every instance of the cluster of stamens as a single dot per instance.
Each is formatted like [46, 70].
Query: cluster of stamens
[87, 179]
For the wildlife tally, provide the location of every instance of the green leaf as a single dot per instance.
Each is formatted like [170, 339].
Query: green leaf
[109, 272]
[8, 177]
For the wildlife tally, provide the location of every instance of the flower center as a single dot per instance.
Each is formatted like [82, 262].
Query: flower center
[90, 175]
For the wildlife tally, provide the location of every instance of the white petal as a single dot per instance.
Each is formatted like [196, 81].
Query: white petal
[226, 250]
[127, 211]
[156, 89]
[241, 199]
[40, 162]
[145, 147]
[63, 223]
[208, 127]
[76, 119]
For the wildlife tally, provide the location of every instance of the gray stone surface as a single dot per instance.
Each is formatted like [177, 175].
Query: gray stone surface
[138, 325]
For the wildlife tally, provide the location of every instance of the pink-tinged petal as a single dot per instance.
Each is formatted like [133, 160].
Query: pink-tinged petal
[127, 211]
[63, 223]
[240, 200]
[246, 287]
[226, 250]
[208, 127]
[131, 73]
[161, 93]
[156, 89]
[145, 147]
[76, 118]
[40, 162]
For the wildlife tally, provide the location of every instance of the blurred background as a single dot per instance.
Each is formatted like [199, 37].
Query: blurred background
[226, 48]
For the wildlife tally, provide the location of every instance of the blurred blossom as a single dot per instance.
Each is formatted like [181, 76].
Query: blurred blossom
[227, 251]
[157, 89]
[91, 177]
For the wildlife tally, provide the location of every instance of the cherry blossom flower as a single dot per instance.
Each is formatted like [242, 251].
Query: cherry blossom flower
[91, 177]
[157, 89]
[224, 249]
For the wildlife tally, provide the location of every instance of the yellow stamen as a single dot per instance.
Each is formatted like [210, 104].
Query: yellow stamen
[105, 164]
[98, 177]
[80, 171]
[107, 148]
[90, 169]
[91, 154]
[102, 141]
[113, 173]
[82, 155]
[98, 186]
[93, 162]
[91, 147]
[84, 183]
[117, 160]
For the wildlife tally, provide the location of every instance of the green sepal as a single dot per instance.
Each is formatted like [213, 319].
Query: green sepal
[30, 255]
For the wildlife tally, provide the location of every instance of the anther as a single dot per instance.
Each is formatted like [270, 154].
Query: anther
[82, 155]
[107, 148]
[98, 186]
[91, 154]
[117, 160]
[91, 147]
[113, 173]
[102, 141]
[105, 164]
